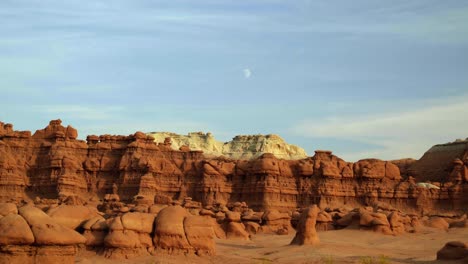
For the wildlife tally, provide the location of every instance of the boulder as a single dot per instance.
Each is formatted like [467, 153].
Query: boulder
[252, 227]
[396, 223]
[48, 232]
[72, 216]
[95, 231]
[200, 235]
[438, 222]
[14, 230]
[453, 250]
[169, 232]
[276, 222]
[8, 208]
[140, 222]
[235, 230]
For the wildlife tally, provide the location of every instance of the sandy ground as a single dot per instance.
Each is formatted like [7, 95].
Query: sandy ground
[340, 246]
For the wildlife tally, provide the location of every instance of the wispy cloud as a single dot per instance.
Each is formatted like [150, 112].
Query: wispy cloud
[446, 26]
[400, 132]
[80, 112]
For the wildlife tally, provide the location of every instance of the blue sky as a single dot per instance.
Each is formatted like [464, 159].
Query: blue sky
[384, 79]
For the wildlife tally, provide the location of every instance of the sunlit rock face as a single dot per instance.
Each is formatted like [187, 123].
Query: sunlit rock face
[240, 147]
[54, 164]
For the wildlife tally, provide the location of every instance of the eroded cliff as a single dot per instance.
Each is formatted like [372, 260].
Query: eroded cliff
[240, 147]
[52, 163]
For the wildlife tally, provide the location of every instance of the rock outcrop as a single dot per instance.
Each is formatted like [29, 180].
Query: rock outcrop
[240, 147]
[453, 250]
[306, 233]
[31, 236]
[131, 196]
[175, 230]
[54, 164]
[439, 161]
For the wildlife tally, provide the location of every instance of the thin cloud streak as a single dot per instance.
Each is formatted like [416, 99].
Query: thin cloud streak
[81, 112]
[406, 133]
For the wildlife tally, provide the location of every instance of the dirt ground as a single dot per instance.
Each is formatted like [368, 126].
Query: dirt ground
[339, 246]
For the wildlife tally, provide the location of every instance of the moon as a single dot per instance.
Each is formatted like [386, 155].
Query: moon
[247, 73]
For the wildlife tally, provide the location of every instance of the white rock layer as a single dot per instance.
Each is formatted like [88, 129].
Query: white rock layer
[240, 147]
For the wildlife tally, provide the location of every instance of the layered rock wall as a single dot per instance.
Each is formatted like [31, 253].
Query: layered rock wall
[52, 163]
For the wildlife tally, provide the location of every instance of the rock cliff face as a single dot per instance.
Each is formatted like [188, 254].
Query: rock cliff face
[440, 160]
[240, 147]
[52, 163]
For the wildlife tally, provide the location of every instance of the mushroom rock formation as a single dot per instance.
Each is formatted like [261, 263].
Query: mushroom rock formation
[200, 235]
[453, 250]
[396, 223]
[120, 242]
[324, 221]
[8, 208]
[275, 222]
[252, 227]
[438, 222]
[95, 231]
[235, 229]
[351, 219]
[15, 230]
[72, 216]
[380, 224]
[175, 230]
[306, 233]
[48, 232]
[33, 237]
[129, 235]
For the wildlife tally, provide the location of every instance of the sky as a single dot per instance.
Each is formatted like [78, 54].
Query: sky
[363, 78]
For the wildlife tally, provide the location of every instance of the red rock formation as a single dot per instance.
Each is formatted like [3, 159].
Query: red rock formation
[437, 163]
[33, 237]
[453, 250]
[306, 233]
[53, 163]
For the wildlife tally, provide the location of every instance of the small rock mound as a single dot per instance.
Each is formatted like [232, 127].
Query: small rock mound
[453, 250]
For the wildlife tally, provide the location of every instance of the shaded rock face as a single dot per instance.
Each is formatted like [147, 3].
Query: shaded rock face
[453, 250]
[447, 164]
[440, 160]
[240, 147]
[306, 233]
[54, 164]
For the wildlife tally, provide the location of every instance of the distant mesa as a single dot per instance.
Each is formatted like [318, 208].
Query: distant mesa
[439, 160]
[242, 147]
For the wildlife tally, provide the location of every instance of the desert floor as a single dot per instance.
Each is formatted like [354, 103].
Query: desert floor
[339, 246]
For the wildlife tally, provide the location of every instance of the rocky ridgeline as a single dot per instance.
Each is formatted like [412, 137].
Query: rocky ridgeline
[440, 160]
[240, 147]
[53, 164]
